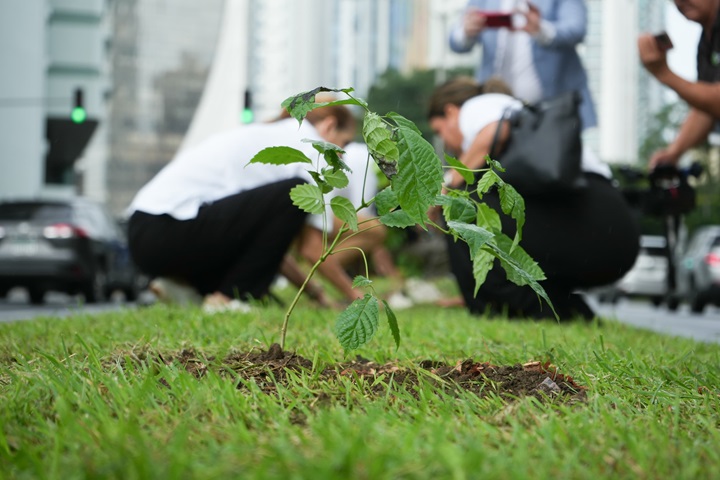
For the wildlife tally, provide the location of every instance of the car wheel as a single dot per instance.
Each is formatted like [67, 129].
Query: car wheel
[37, 295]
[656, 301]
[95, 290]
[673, 303]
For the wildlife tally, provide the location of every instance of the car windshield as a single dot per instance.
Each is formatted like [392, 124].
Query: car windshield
[37, 212]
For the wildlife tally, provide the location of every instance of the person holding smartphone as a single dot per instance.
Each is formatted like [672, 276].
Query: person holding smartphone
[534, 53]
[703, 96]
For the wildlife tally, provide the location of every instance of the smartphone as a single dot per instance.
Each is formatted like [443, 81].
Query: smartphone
[497, 19]
[663, 41]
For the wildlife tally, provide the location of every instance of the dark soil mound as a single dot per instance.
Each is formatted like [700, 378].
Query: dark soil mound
[268, 369]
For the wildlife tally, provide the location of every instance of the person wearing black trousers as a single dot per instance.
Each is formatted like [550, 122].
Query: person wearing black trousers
[581, 241]
[212, 224]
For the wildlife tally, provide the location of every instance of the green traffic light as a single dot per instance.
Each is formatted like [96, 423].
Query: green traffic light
[78, 115]
[247, 116]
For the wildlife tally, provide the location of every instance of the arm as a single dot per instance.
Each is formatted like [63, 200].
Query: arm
[474, 156]
[464, 34]
[567, 30]
[701, 96]
[697, 127]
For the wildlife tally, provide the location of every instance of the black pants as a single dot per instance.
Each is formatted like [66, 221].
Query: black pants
[584, 241]
[234, 245]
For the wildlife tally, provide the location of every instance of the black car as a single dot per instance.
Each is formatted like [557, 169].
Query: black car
[69, 245]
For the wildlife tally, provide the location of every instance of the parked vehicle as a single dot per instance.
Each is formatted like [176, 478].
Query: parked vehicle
[69, 245]
[699, 269]
[648, 276]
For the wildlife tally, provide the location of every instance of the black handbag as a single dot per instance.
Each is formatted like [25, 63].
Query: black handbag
[543, 153]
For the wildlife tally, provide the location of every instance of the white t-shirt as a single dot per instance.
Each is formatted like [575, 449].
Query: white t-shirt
[218, 168]
[483, 110]
[356, 157]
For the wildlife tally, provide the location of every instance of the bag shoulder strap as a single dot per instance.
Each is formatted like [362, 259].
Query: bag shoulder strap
[505, 118]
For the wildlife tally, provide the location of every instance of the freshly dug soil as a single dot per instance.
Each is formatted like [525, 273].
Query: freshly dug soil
[269, 368]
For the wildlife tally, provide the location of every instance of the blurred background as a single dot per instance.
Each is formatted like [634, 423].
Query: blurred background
[97, 95]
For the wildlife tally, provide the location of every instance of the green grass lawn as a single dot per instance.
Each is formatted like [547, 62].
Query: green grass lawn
[74, 404]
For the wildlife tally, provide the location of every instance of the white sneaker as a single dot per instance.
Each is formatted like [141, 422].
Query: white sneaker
[421, 291]
[398, 301]
[171, 291]
[231, 306]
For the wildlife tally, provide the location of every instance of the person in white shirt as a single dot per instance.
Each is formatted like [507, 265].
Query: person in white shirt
[587, 240]
[223, 227]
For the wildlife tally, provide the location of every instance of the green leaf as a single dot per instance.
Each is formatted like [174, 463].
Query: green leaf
[513, 204]
[401, 121]
[380, 144]
[520, 268]
[279, 156]
[392, 323]
[335, 178]
[476, 237]
[419, 178]
[482, 264]
[487, 181]
[459, 167]
[330, 152]
[459, 208]
[359, 281]
[494, 164]
[358, 323]
[386, 201]
[298, 106]
[345, 211]
[309, 198]
[320, 181]
[398, 219]
[488, 218]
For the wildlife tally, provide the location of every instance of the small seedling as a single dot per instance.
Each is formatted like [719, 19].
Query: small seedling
[415, 173]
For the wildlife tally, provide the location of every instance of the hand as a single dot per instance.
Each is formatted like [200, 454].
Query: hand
[532, 19]
[663, 157]
[473, 23]
[651, 56]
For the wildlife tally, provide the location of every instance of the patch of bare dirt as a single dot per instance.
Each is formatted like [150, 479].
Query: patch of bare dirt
[269, 368]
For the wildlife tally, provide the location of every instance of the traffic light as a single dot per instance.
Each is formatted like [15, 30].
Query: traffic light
[78, 115]
[247, 113]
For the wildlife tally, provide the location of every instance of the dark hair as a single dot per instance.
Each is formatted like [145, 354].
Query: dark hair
[458, 90]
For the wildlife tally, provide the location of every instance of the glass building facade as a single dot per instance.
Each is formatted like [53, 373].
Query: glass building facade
[161, 53]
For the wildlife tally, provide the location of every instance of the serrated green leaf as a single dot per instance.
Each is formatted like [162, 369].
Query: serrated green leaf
[482, 264]
[380, 144]
[392, 323]
[487, 181]
[397, 219]
[460, 209]
[330, 152]
[513, 204]
[358, 323]
[279, 156]
[335, 178]
[459, 167]
[386, 201]
[488, 218]
[419, 178]
[359, 281]
[519, 267]
[476, 237]
[308, 198]
[320, 182]
[344, 210]
[494, 164]
[298, 106]
[401, 121]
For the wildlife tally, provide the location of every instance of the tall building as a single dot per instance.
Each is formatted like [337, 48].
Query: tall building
[161, 53]
[50, 49]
